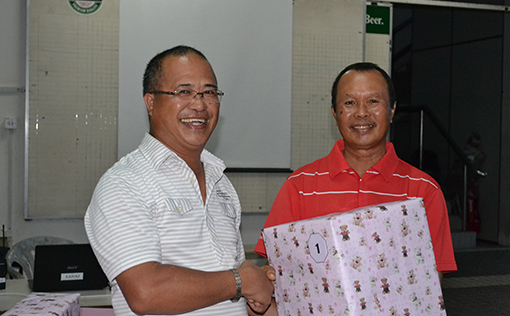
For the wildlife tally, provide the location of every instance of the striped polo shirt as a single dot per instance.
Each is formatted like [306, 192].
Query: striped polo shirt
[329, 185]
[148, 207]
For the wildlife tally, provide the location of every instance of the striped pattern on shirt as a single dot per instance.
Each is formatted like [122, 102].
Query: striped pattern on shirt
[329, 185]
[148, 207]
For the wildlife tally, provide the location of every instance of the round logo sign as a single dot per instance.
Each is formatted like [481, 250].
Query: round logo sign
[86, 7]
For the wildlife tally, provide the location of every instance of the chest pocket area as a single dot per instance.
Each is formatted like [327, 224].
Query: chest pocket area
[179, 206]
[228, 209]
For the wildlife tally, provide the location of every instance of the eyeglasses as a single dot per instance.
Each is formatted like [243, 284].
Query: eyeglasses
[188, 95]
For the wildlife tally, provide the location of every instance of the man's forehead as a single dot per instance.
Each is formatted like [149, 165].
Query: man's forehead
[180, 67]
[370, 94]
[351, 75]
[176, 60]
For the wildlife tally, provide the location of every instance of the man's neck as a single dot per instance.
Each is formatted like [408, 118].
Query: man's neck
[196, 165]
[363, 159]
[191, 157]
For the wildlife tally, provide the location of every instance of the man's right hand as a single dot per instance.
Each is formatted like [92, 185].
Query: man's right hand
[257, 285]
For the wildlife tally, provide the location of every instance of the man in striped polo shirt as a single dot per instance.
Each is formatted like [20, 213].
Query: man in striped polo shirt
[362, 169]
[164, 220]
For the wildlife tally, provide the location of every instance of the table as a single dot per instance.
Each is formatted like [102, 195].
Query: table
[18, 289]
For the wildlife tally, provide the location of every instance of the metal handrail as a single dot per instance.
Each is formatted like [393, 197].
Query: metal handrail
[423, 109]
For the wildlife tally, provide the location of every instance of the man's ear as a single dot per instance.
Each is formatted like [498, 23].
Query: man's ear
[333, 111]
[392, 113]
[148, 98]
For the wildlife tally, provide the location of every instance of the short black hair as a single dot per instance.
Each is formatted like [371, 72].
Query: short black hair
[154, 69]
[365, 66]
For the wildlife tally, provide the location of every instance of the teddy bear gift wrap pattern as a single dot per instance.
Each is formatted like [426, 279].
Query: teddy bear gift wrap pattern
[38, 303]
[375, 260]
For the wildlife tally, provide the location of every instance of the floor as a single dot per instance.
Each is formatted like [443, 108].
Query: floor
[481, 286]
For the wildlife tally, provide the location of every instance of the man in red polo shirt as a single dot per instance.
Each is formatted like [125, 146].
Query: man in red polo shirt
[362, 168]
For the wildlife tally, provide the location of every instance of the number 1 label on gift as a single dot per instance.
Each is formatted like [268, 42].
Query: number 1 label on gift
[318, 247]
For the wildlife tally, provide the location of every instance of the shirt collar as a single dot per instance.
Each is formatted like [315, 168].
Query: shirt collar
[336, 160]
[157, 153]
[386, 166]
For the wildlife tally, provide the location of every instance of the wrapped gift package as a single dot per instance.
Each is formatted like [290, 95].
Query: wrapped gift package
[375, 260]
[55, 304]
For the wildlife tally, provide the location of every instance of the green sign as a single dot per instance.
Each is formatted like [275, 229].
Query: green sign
[377, 19]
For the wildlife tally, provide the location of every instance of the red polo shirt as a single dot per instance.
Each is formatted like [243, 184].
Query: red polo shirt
[329, 185]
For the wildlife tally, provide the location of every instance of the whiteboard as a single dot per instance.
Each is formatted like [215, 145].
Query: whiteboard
[249, 45]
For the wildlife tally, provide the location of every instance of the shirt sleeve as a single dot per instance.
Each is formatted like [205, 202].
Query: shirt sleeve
[120, 227]
[285, 209]
[439, 226]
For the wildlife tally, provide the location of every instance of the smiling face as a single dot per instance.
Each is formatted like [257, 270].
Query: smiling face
[185, 128]
[362, 112]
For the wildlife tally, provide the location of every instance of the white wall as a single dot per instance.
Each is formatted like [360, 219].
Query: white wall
[12, 74]
[12, 142]
[313, 135]
[11, 105]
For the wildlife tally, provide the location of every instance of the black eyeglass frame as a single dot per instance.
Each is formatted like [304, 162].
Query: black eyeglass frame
[219, 93]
